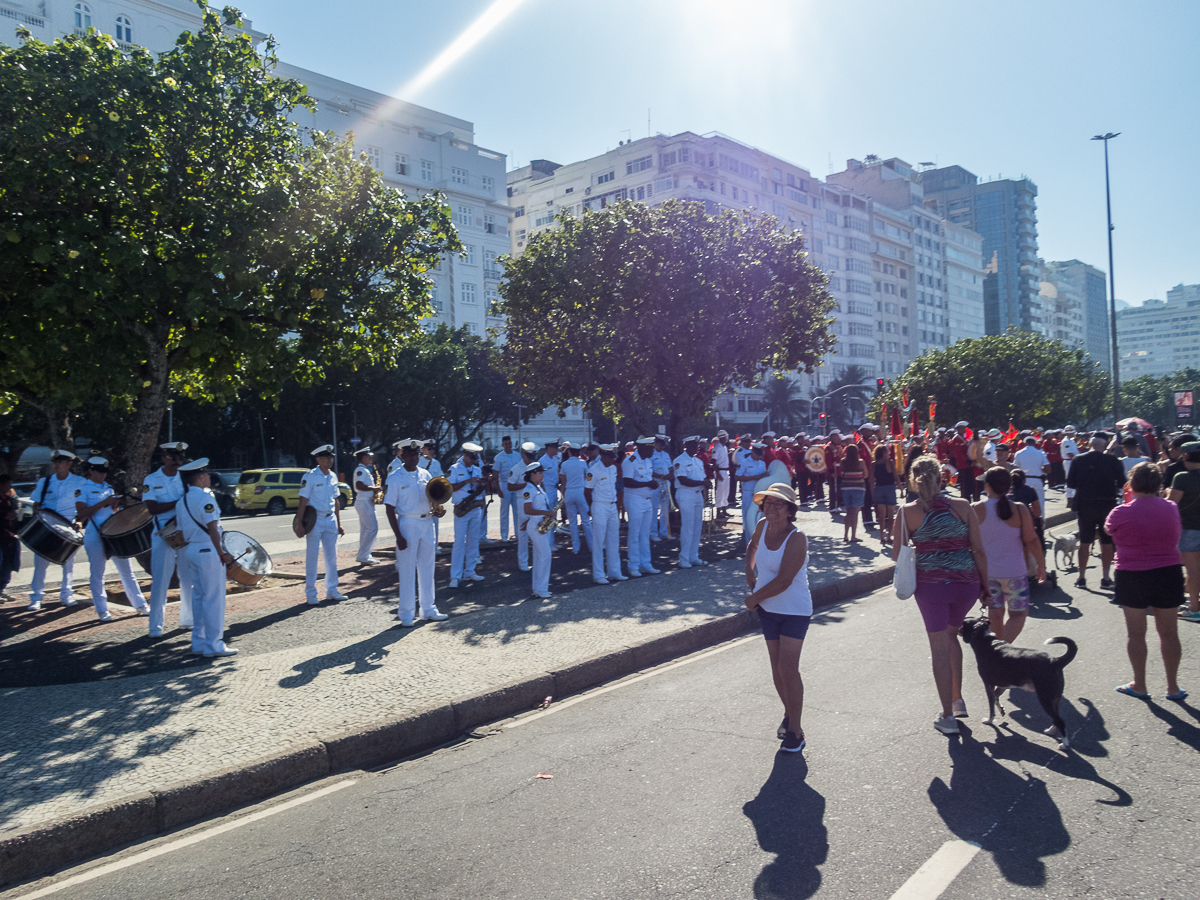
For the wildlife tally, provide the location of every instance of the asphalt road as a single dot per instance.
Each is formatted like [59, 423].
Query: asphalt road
[669, 784]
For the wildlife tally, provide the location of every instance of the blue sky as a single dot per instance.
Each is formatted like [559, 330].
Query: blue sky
[1002, 89]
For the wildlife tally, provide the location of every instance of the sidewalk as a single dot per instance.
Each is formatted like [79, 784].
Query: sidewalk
[99, 714]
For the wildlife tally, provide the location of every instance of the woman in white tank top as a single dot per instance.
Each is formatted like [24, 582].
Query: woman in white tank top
[777, 573]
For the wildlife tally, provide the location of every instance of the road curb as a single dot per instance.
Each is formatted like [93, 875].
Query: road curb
[55, 845]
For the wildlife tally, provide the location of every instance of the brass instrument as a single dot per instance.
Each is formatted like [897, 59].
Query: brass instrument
[438, 492]
[548, 520]
[477, 496]
[378, 487]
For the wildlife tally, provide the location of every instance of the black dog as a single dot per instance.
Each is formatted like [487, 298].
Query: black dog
[1004, 666]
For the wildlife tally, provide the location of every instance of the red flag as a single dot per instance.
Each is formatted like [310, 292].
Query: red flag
[896, 427]
[928, 433]
[1011, 434]
[857, 437]
[969, 434]
[904, 396]
[883, 415]
[914, 427]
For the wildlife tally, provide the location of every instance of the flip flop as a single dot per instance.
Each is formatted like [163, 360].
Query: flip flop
[1178, 698]
[1128, 690]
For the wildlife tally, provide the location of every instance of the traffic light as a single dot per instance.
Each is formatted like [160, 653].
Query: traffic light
[878, 385]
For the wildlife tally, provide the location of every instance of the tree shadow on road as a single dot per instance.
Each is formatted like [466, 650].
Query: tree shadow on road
[1010, 815]
[788, 818]
[365, 656]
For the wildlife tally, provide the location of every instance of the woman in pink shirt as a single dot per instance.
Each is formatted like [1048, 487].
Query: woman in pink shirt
[1146, 531]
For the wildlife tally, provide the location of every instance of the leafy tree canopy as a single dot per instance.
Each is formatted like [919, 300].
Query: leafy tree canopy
[1152, 398]
[165, 223]
[637, 308]
[1016, 377]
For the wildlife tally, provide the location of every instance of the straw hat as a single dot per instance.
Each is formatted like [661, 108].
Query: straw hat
[781, 491]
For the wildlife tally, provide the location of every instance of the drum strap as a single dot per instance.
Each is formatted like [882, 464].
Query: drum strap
[45, 488]
[186, 506]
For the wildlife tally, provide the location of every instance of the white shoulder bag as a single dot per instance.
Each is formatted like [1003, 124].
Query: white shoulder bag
[905, 578]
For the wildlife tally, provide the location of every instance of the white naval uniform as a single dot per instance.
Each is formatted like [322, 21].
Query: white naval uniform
[405, 493]
[165, 560]
[1068, 446]
[517, 487]
[434, 468]
[575, 503]
[467, 528]
[60, 497]
[660, 501]
[551, 464]
[321, 492]
[1030, 460]
[720, 457]
[540, 543]
[606, 526]
[203, 569]
[395, 464]
[364, 505]
[750, 511]
[507, 464]
[639, 508]
[91, 494]
[691, 508]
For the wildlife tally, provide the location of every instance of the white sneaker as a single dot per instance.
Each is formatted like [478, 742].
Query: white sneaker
[34, 605]
[618, 577]
[228, 651]
[369, 561]
[684, 565]
[405, 623]
[336, 596]
[946, 724]
[436, 615]
[312, 601]
[71, 602]
[155, 632]
[105, 617]
[651, 571]
[453, 582]
[475, 576]
[634, 573]
[959, 708]
[541, 594]
[601, 581]
[142, 610]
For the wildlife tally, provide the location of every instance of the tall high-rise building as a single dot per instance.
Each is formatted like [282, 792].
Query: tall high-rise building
[1063, 309]
[1183, 293]
[1088, 284]
[1004, 213]
[1159, 338]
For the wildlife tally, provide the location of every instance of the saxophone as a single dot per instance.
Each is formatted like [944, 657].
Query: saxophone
[548, 520]
[378, 486]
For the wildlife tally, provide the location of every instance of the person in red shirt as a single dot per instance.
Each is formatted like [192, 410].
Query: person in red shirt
[1051, 446]
[769, 454]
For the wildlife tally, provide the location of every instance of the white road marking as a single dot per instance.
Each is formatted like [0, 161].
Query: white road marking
[172, 846]
[928, 882]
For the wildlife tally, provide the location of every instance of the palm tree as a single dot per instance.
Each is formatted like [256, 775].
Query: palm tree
[781, 400]
[839, 406]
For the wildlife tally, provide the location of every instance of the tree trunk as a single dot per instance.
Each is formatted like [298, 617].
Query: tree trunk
[141, 432]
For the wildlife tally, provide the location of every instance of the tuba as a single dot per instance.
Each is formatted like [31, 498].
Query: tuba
[438, 491]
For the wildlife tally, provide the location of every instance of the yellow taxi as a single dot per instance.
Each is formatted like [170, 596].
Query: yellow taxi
[275, 490]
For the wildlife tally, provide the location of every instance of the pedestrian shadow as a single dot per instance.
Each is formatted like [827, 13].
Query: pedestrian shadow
[1183, 731]
[364, 656]
[982, 795]
[1050, 602]
[788, 818]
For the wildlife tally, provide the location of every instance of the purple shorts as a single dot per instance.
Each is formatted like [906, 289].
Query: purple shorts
[945, 605]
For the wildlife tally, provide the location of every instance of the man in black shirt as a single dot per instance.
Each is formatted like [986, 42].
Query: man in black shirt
[1097, 479]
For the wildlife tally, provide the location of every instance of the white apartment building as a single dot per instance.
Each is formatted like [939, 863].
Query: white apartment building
[963, 266]
[1160, 338]
[417, 150]
[1064, 313]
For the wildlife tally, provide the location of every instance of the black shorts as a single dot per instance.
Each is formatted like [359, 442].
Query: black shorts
[1091, 516]
[1160, 588]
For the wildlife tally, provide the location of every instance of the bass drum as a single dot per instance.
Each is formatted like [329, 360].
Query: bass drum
[251, 562]
[814, 458]
[126, 533]
[51, 536]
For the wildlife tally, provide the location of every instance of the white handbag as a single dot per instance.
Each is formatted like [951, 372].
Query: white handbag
[904, 580]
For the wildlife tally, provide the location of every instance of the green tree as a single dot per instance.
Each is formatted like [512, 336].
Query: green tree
[1152, 398]
[1015, 377]
[782, 400]
[637, 309]
[850, 397]
[166, 227]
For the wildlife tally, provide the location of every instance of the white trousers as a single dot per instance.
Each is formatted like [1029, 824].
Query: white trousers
[465, 555]
[164, 561]
[321, 541]
[691, 523]
[414, 566]
[541, 544]
[368, 526]
[523, 539]
[575, 504]
[660, 512]
[510, 503]
[37, 587]
[640, 511]
[207, 580]
[605, 540]
[93, 544]
[1066, 472]
[721, 489]
[1039, 485]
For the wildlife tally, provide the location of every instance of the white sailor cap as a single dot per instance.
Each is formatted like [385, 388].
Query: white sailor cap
[662, 437]
[758, 445]
[173, 447]
[645, 441]
[1070, 429]
[690, 438]
[470, 447]
[608, 448]
[769, 434]
[722, 433]
[62, 454]
[97, 462]
[534, 467]
[835, 433]
[553, 443]
[195, 465]
[529, 447]
[567, 445]
[323, 450]
[363, 450]
[409, 444]
[963, 424]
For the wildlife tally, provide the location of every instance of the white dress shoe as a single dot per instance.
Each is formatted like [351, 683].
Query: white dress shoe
[34, 605]
[634, 573]
[336, 597]
[651, 571]
[453, 582]
[475, 576]
[684, 565]
[435, 615]
[601, 581]
[618, 577]
[142, 610]
[105, 617]
[228, 651]
[313, 601]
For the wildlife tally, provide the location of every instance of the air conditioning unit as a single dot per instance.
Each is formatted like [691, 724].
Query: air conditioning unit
[587, 190]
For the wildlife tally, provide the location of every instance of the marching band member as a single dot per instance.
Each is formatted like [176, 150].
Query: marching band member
[394, 463]
[720, 455]
[660, 502]
[528, 449]
[508, 463]
[602, 498]
[319, 489]
[199, 519]
[466, 479]
[573, 473]
[752, 469]
[689, 496]
[407, 507]
[640, 490]
[58, 492]
[551, 461]
[94, 506]
[365, 493]
[537, 507]
[161, 492]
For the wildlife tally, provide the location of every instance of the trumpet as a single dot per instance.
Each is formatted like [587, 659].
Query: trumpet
[438, 492]
[548, 520]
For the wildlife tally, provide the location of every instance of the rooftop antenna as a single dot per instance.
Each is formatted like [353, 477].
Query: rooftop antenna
[647, 121]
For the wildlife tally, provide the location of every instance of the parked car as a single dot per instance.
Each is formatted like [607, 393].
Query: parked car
[276, 490]
[224, 487]
[24, 501]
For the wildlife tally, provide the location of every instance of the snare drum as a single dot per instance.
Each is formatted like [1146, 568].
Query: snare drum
[51, 536]
[251, 562]
[126, 533]
[172, 535]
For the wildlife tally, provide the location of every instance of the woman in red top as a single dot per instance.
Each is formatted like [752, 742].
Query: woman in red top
[1146, 531]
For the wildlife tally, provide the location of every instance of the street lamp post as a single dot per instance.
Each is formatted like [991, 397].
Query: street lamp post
[1112, 286]
[333, 409]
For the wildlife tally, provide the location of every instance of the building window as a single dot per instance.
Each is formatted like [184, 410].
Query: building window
[458, 176]
[472, 328]
[124, 29]
[492, 298]
[639, 165]
[489, 185]
[427, 171]
[605, 178]
[83, 15]
[401, 164]
[519, 211]
[464, 216]
[489, 224]
[373, 158]
[468, 254]
[468, 293]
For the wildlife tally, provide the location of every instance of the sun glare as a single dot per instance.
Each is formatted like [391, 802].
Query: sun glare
[488, 20]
